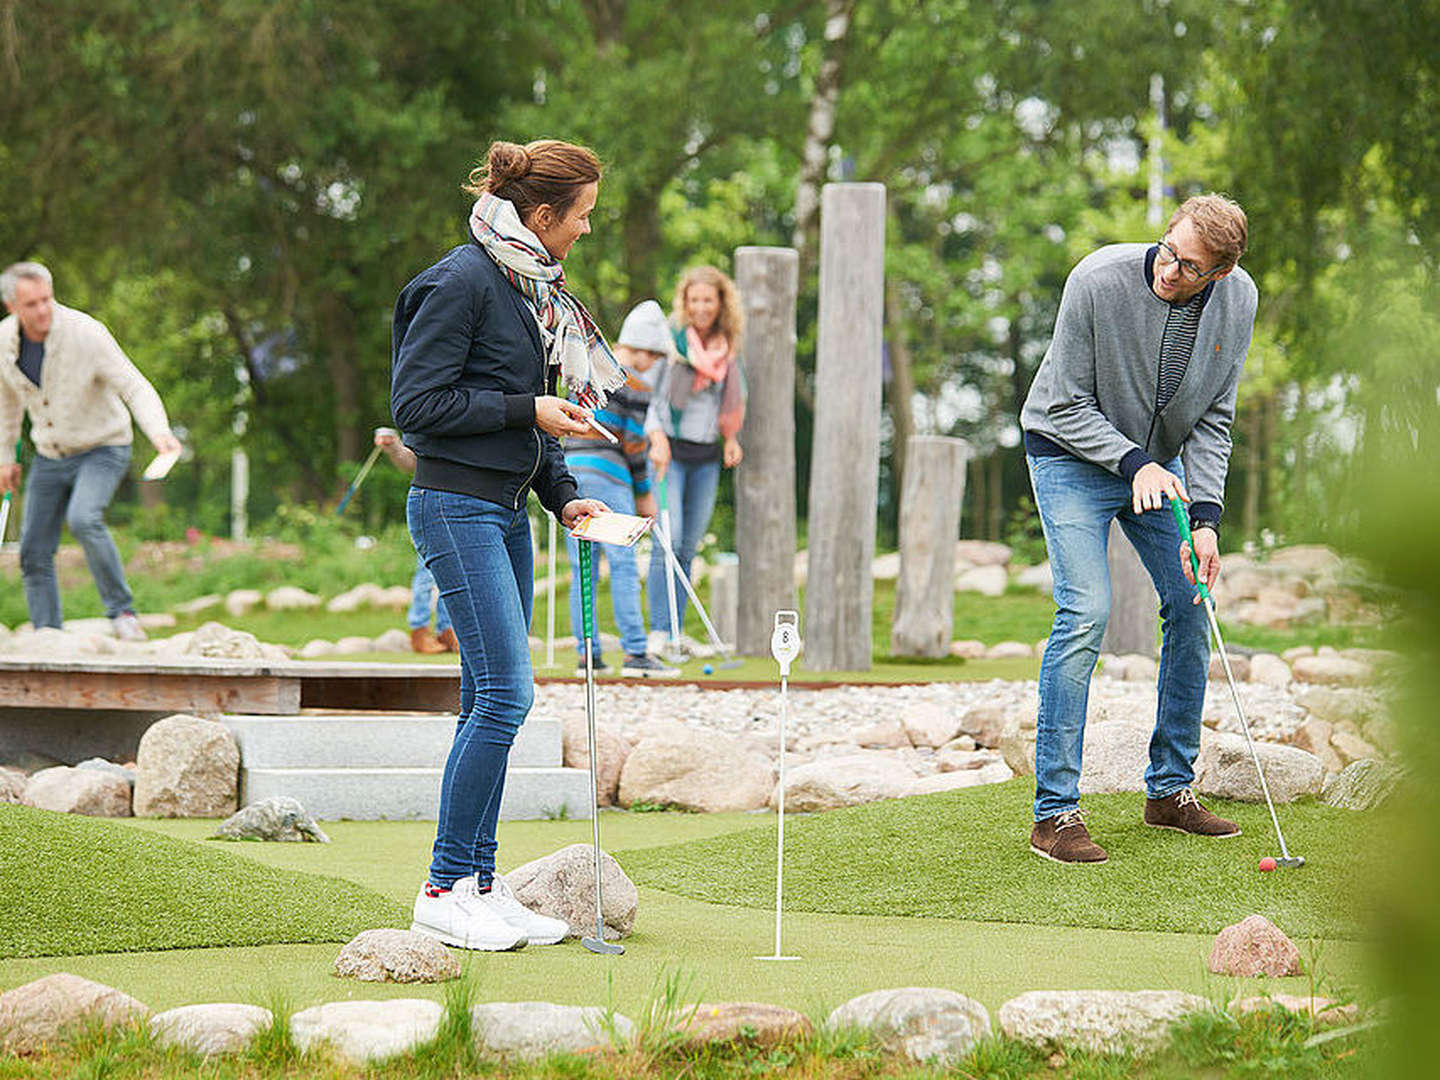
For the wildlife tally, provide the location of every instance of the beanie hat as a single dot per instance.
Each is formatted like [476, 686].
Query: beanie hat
[645, 328]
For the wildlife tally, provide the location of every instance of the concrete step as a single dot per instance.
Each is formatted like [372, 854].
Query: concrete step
[377, 793]
[331, 740]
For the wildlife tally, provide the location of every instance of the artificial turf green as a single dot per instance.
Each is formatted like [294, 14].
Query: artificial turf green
[965, 855]
[72, 884]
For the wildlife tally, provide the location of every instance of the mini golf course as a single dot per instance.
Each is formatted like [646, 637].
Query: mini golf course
[936, 890]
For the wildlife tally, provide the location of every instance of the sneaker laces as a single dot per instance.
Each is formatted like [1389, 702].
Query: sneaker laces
[501, 896]
[1069, 819]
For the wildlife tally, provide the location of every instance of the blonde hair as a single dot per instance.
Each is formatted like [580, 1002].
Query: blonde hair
[1220, 224]
[546, 171]
[731, 320]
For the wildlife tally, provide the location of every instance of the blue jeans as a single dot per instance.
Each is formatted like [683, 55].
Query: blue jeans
[480, 555]
[691, 496]
[422, 585]
[1077, 501]
[619, 495]
[72, 491]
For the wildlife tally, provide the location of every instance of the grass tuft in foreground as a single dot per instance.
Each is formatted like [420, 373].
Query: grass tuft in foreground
[965, 855]
[71, 885]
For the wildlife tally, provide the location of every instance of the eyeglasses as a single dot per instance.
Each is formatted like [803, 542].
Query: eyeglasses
[1188, 270]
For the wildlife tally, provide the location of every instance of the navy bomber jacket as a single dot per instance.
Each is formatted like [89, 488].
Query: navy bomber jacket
[468, 364]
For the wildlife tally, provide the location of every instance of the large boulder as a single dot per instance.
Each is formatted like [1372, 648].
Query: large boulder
[847, 780]
[1254, 946]
[994, 772]
[35, 1015]
[1225, 770]
[535, 1029]
[1115, 755]
[930, 724]
[79, 791]
[696, 770]
[610, 747]
[921, 1022]
[1313, 736]
[1330, 671]
[186, 767]
[12, 785]
[562, 885]
[219, 1028]
[1102, 1021]
[1362, 785]
[1337, 705]
[751, 1022]
[401, 956]
[217, 640]
[1269, 669]
[49, 643]
[362, 1031]
[278, 818]
[1350, 747]
[985, 722]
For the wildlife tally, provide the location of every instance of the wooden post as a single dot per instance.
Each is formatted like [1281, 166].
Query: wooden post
[845, 462]
[768, 279]
[1134, 604]
[934, 488]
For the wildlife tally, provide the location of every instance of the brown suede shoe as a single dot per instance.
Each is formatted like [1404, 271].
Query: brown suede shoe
[1183, 813]
[1064, 839]
[448, 640]
[423, 640]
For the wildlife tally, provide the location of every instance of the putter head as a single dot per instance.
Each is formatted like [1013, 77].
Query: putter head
[605, 948]
[1291, 862]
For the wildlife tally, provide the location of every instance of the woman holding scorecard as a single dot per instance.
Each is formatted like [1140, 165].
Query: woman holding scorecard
[479, 341]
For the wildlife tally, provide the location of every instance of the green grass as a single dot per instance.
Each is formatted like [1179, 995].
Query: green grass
[72, 884]
[964, 855]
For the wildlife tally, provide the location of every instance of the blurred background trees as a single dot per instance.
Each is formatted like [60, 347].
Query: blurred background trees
[240, 188]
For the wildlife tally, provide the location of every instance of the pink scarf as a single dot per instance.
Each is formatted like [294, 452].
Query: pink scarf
[711, 363]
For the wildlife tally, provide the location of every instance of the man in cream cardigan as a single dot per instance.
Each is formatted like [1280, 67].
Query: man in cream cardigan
[65, 369]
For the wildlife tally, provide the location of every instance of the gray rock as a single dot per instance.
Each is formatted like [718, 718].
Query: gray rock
[930, 724]
[1102, 1021]
[12, 785]
[1114, 757]
[1351, 747]
[1325, 1012]
[1036, 577]
[392, 641]
[317, 647]
[696, 770]
[362, 1031]
[186, 767]
[985, 722]
[1254, 946]
[885, 735]
[291, 598]
[1313, 736]
[1269, 669]
[353, 646]
[367, 595]
[199, 605]
[400, 956]
[35, 1015]
[217, 640]
[610, 747]
[1017, 747]
[102, 765]
[982, 553]
[1331, 671]
[922, 1023]
[220, 1028]
[1362, 785]
[968, 649]
[562, 885]
[1239, 667]
[280, 819]
[534, 1029]
[848, 780]
[1009, 650]
[751, 1022]
[241, 601]
[996, 772]
[953, 758]
[78, 791]
[1224, 769]
[1334, 704]
[986, 580]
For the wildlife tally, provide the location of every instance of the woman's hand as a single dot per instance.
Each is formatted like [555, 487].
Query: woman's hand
[732, 453]
[575, 509]
[645, 505]
[558, 417]
[659, 452]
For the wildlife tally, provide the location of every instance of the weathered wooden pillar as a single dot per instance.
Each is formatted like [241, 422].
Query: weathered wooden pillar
[933, 489]
[1134, 604]
[845, 462]
[768, 280]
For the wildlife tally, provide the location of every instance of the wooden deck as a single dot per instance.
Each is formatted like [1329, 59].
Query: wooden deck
[279, 688]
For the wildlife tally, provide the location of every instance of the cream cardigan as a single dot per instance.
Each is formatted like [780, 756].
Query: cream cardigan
[86, 385]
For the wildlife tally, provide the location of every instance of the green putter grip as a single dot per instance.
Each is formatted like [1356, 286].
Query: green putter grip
[1182, 522]
[587, 594]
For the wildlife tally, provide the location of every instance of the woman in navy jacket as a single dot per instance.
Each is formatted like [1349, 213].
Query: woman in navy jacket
[479, 338]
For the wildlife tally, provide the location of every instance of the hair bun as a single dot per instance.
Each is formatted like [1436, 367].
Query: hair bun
[506, 161]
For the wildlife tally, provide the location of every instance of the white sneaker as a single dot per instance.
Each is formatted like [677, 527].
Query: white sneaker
[462, 917]
[539, 929]
[127, 627]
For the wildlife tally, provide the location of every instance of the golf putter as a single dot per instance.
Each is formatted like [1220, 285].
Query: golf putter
[359, 479]
[1182, 523]
[664, 531]
[4, 516]
[676, 571]
[784, 646]
[596, 944]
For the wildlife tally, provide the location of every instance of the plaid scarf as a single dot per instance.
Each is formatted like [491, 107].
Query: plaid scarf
[573, 342]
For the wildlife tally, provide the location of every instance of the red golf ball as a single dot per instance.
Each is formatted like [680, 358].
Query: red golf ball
[1267, 864]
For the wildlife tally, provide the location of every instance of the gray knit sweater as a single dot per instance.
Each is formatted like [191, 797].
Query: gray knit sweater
[1095, 391]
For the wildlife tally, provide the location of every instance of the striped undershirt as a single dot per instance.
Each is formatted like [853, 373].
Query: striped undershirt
[1176, 346]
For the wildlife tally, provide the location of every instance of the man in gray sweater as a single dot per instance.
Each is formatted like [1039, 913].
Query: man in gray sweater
[1131, 407]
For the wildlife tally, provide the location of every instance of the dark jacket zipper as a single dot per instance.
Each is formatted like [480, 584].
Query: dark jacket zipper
[539, 453]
